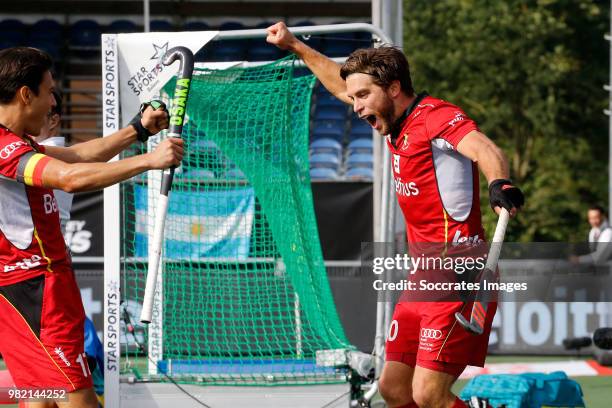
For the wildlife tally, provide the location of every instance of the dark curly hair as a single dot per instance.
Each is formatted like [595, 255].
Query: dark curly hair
[385, 64]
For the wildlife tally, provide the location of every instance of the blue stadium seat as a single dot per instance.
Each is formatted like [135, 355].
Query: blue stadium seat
[48, 30]
[315, 41]
[333, 129]
[50, 47]
[260, 50]
[265, 24]
[339, 49]
[263, 52]
[161, 25]
[364, 38]
[207, 52]
[85, 33]
[231, 25]
[359, 39]
[333, 112]
[360, 173]
[323, 97]
[122, 26]
[326, 145]
[13, 31]
[322, 173]
[301, 71]
[362, 145]
[196, 26]
[360, 129]
[8, 43]
[359, 160]
[327, 160]
[348, 35]
[226, 51]
[303, 23]
[329, 100]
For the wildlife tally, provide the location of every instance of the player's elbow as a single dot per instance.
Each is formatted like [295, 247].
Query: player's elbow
[73, 181]
[70, 186]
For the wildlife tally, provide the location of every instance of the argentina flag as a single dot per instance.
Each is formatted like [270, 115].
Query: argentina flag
[211, 224]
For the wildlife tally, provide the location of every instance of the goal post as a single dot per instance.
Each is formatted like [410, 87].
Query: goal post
[243, 297]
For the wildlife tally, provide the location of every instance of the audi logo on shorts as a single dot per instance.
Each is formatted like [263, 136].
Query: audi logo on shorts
[9, 149]
[431, 334]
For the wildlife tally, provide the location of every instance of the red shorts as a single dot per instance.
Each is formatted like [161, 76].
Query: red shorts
[42, 332]
[427, 334]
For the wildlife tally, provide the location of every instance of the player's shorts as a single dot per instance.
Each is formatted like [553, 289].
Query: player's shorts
[427, 334]
[42, 332]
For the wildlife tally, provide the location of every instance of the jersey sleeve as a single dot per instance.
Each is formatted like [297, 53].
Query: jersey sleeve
[20, 162]
[450, 123]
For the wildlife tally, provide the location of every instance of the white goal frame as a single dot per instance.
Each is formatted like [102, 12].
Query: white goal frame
[112, 207]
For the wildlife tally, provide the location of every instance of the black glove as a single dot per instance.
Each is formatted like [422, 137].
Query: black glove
[142, 133]
[503, 194]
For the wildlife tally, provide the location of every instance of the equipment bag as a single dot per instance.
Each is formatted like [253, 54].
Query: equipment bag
[529, 390]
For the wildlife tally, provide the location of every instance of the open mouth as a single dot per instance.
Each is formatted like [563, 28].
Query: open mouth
[371, 119]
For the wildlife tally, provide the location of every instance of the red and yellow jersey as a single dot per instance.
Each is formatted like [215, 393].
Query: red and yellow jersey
[437, 187]
[31, 240]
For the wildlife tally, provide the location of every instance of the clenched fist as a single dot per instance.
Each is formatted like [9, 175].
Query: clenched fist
[154, 120]
[167, 154]
[279, 35]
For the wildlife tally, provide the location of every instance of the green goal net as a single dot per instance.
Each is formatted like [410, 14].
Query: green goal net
[243, 294]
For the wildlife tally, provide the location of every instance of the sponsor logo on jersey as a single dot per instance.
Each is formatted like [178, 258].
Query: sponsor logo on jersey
[434, 334]
[396, 163]
[473, 240]
[60, 353]
[25, 264]
[406, 189]
[459, 116]
[7, 150]
[49, 203]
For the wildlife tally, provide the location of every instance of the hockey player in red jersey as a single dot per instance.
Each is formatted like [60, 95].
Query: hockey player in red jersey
[41, 312]
[436, 151]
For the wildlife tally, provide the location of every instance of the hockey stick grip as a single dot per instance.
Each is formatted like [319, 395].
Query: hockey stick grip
[498, 239]
[479, 309]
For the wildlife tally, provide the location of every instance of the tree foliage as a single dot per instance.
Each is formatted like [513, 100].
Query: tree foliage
[531, 74]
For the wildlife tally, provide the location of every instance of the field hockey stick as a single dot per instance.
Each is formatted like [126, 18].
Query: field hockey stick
[178, 107]
[481, 302]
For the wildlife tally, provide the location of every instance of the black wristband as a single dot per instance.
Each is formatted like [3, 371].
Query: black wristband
[142, 133]
[502, 193]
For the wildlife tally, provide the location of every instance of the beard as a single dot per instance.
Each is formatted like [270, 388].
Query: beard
[387, 116]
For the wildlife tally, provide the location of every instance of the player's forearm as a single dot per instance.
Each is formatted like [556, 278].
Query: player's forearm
[324, 68]
[493, 163]
[79, 177]
[104, 148]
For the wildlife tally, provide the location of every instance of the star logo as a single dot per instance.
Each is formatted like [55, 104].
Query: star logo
[109, 42]
[159, 51]
[113, 286]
